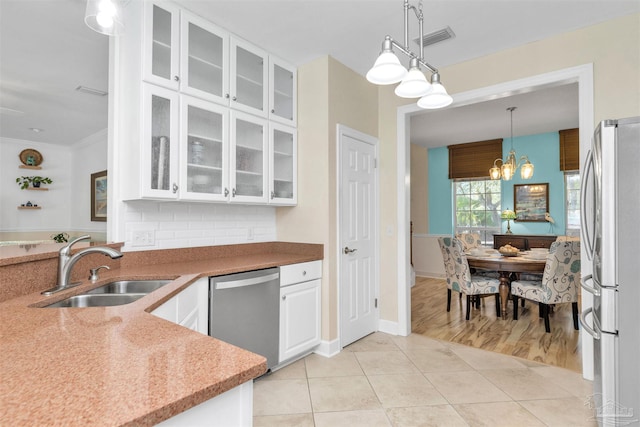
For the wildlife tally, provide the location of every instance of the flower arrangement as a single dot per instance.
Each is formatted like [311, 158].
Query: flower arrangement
[35, 181]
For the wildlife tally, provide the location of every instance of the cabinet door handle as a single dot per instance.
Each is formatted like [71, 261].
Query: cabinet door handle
[348, 251]
[284, 297]
[176, 78]
[226, 191]
[273, 111]
[233, 192]
[175, 188]
[273, 195]
[226, 95]
[234, 98]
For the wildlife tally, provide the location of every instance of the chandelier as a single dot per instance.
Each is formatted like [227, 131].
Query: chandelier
[388, 70]
[509, 165]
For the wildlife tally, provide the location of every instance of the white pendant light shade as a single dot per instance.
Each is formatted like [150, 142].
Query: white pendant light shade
[414, 84]
[437, 96]
[104, 16]
[387, 70]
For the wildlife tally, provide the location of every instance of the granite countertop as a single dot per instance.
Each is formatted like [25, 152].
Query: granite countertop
[122, 365]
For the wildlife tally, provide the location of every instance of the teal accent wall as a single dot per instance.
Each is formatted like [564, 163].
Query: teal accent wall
[543, 151]
[440, 201]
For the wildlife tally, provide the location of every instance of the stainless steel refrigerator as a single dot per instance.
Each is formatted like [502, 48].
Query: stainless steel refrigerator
[610, 230]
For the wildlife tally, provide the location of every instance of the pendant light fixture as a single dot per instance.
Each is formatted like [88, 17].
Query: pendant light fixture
[104, 16]
[509, 165]
[413, 83]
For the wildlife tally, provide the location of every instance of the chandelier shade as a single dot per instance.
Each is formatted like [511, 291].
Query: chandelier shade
[388, 70]
[437, 97]
[414, 84]
[104, 16]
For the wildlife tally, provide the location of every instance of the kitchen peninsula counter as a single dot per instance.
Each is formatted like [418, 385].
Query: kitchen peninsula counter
[122, 365]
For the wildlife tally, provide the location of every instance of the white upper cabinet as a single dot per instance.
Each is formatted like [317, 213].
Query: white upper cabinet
[159, 149]
[283, 86]
[161, 51]
[249, 78]
[204, 62]
[204, 150]
[283, 165]
[249, 163]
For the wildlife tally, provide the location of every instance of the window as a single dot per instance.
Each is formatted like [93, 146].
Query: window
[477, 208]
[572, 196]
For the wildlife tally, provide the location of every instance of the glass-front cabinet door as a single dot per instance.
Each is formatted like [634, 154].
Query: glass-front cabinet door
[204, 61]
[282, 92]
[283, 165]
[161, 45]
[160, 143]
[204, 151]
[249, 165]
[249, 78]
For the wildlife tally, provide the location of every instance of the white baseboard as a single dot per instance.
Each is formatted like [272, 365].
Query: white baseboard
[430, 274]
[388, 327]
[328, 348]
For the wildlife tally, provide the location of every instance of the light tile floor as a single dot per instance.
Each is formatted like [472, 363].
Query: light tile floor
[384, 380]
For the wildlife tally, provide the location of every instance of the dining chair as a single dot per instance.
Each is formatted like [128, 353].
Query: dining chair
[469, 240]
[460, 279]
[559, 284]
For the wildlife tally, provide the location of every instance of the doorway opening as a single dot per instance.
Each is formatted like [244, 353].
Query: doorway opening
[583, 76]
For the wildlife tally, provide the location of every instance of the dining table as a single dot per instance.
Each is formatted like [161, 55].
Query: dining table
[507, 266]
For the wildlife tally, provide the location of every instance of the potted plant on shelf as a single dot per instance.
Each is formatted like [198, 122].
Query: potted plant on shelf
[35, 181]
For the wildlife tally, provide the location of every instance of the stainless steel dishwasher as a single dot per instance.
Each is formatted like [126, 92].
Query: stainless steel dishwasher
[245, 311]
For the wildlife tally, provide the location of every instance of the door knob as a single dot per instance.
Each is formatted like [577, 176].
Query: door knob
[348, 251]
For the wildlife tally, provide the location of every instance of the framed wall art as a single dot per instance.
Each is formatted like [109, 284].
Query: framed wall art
[99, 196]
[531, 201]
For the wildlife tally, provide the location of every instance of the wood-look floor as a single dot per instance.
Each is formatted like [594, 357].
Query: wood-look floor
[525, 337]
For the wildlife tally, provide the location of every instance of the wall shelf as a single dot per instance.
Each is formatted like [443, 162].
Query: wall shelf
[37, 189]
[30, 167]
[29, 207]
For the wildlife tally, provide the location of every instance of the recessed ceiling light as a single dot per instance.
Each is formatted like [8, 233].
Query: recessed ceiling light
[91, 91]
[36, 130]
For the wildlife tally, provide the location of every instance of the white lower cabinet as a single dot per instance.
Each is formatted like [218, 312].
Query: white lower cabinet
[190, 308]
[231, 408]
[299, 309]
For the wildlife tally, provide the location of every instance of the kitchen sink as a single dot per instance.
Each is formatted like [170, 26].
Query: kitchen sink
[114, 293]
[97, 300]
[130, 287]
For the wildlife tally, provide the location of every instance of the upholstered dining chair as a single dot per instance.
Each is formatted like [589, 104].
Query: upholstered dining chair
[459, 277]
[559, 284]
[469, 240]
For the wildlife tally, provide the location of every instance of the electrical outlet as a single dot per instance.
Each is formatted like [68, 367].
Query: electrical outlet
[250, 233]
[143, 238]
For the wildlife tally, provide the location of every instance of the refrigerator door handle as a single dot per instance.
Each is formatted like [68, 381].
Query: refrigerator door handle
[588, 166]
[587, 328]
[591, 289]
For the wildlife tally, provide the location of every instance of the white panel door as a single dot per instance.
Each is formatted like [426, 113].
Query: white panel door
[359, 314]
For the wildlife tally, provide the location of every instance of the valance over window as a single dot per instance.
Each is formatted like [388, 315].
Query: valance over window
[473, 159]
[569, 150]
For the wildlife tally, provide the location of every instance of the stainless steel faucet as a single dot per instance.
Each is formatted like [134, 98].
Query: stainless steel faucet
[66, 262]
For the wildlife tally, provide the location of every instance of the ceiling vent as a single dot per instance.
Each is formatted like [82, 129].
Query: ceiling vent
[91, 91]
[436, 36]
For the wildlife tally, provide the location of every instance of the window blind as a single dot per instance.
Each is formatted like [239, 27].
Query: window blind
[569, 150]
[473, 159]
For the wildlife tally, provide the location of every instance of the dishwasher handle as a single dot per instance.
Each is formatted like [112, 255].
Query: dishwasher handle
[246, 282]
